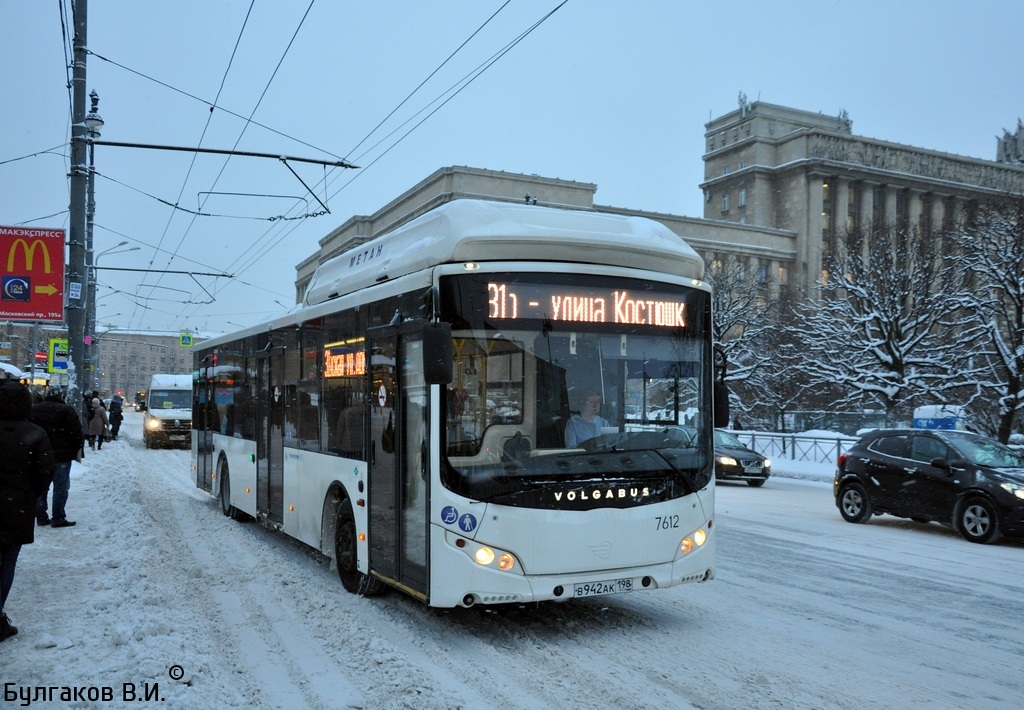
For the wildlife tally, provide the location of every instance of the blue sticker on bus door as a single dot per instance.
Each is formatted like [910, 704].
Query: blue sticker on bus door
[467, 522]
[449, 514]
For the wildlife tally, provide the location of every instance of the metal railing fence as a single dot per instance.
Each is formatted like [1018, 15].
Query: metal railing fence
[797, 447]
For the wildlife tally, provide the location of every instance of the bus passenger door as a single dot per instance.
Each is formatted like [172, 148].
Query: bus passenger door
[399, 441]
[270, 435]
[203, 407]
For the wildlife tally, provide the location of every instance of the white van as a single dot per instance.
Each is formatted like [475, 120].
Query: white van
[167, 417]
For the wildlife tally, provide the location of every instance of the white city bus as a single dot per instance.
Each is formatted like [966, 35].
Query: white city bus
[423, 418]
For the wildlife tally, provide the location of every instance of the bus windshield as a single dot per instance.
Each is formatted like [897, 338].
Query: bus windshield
[564, 382]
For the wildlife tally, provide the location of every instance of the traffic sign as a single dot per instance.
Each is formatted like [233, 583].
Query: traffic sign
[58, 361]
[185, 340]
[31, 274]
[57, 356]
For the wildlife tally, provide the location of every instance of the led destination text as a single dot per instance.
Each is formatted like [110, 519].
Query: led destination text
[512, 301]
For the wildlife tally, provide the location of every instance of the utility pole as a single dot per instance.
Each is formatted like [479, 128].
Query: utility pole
[75, 311]
[93, 124]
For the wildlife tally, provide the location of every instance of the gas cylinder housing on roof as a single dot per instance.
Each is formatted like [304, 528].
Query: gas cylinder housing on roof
[481, 231]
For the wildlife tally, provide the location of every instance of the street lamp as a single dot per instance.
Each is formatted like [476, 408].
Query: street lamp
[90, 313]
[97, 340]
[93, 124]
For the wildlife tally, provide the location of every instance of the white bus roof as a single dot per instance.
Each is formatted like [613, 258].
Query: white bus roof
[480, 231]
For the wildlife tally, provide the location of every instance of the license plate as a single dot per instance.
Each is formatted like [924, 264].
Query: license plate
[595, 589]
[753, 469]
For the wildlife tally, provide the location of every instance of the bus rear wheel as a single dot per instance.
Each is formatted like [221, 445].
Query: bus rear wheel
[346, 555]
[225, 492]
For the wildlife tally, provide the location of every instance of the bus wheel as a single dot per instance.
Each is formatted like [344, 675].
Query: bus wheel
[346, 555]
[225, 492]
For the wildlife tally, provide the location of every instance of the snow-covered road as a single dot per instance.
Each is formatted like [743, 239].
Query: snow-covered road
[807, 611]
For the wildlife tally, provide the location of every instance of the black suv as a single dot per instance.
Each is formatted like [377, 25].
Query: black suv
[970, 482]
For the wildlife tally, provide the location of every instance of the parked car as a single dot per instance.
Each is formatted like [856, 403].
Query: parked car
[969, 482]
[735, 461]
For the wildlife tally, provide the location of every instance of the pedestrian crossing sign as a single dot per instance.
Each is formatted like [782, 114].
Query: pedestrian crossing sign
[185, 340]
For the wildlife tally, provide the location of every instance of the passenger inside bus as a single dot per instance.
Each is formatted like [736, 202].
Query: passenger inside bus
[588, 423]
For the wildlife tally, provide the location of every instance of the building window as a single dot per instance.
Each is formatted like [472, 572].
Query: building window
[852, 207]
[826, 210]
[725, 203]
[741, 200]
[878, 205]
[725, 170]
[783, 276]
[902, 209]
[762, 273]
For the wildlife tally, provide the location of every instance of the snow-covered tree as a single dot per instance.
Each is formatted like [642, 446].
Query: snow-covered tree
[991, 261]
[874, 335]
[744, 327]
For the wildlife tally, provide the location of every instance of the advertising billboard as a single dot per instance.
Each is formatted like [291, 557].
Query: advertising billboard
[31, 274]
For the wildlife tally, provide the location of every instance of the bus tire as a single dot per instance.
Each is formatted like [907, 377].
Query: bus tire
[346, 555]
[224, 492]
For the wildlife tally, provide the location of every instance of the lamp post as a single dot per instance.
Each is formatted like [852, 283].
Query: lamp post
[93, 352]
[97, 339]
[93, 124]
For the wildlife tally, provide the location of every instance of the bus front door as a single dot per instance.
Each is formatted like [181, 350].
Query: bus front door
[270, 435]
[203, 412]
[398, 496]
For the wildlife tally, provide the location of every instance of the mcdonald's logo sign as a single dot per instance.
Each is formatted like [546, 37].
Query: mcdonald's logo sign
[32, 263]
[29, 250]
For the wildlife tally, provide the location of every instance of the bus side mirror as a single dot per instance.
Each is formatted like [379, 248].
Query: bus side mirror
[437, 353]
[721, 397]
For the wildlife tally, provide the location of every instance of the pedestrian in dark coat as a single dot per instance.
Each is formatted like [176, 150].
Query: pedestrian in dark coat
[26, 469]
[64, 428]
[98, 424]
[116, 416]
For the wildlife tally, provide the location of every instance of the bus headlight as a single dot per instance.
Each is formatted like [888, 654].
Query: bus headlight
[692, 541]
[487, 556]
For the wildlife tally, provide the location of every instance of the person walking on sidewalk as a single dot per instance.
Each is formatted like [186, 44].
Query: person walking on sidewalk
[98, 424]
[116, 416]
[62, 425]
[26, 469]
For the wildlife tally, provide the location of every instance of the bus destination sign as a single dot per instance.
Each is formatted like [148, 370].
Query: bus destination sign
[513, 301]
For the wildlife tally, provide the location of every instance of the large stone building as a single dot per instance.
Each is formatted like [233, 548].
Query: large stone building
[777, 182]
[807, 173]
[126, 360]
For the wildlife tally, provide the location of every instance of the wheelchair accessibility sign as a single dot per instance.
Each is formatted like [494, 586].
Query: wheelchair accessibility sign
[450, 516]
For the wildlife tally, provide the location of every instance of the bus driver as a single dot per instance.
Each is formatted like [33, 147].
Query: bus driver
[588, 423]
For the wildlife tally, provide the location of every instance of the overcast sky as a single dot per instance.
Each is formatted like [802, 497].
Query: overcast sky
[610, 92]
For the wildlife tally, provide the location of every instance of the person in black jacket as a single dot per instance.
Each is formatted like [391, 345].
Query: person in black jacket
[116, 416]
[26, 469]
[63, 426]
